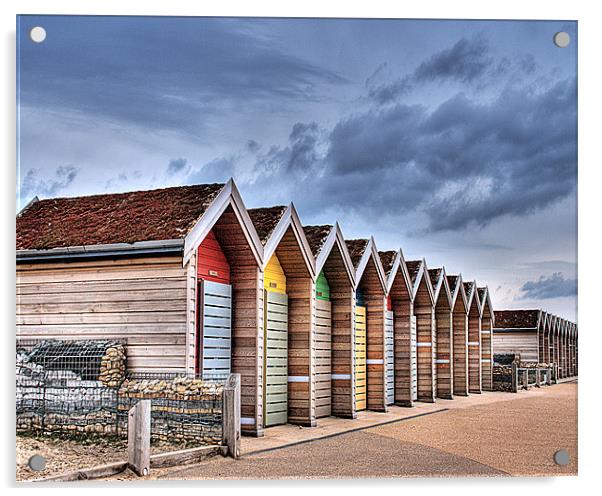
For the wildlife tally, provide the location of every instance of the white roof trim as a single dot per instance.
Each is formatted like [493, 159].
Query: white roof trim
[442, 283]
[399, 265]
[335, 236]
[229, 195]
[289, 218]
[422, 273]
[459, 290]
[371, 251]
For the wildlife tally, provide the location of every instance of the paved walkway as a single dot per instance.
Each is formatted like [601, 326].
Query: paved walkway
[491, 434]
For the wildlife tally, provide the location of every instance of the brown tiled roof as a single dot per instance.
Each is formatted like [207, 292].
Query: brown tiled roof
[413, 269]
[356, 248]
[516, 319]
[316, 237]
[153, 215]
[435, 274]
[387, 258]
[265, 220]
[452, 281]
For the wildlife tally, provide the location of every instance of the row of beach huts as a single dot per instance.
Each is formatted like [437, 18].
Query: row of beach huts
[317, 325]
[538, 337]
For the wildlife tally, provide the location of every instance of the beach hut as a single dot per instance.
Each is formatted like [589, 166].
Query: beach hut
[289, 316]
[544, 340]
[551, 327]
[443, 333]
[460, 334]
[369, 333]
[335, 295]
[557, 347]
[400, 316]
[517, 331]
[424, 311]
[474, 338]
[146, 267]
[487, 322]
[563, 348]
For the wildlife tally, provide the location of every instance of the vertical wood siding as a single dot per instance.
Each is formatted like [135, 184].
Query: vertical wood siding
[444, 361]
[474, 348]
[402, 308]
[425, 336]
[487, 351]
[460, 337]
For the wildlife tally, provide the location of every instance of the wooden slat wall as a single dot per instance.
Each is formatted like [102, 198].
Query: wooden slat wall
[487, 351]
[426, 341]
[276, 358]
[375, 329]
[389, 357]
[523, 343]
[444, 361]
[246, 278]
[342, 298]
[323, 358]
[143, 301]
[360, 368]
[300, 288]
[460, 337]
[402, 348]
[474, 348]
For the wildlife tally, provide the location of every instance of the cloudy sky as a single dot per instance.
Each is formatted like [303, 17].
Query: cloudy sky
[455, 140]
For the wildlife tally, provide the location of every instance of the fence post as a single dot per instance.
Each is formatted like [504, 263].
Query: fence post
[139, 430]
[525, 379]
[549, 376]
[514, 378]
[537, 378]
[231, 415]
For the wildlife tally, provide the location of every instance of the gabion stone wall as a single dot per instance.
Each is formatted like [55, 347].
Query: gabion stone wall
[502, 378]
[68, 386]
[183, 409]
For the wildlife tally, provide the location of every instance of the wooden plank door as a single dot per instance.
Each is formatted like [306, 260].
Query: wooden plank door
[389, 360]
[360, 358]
[276, 358]
[323, 358]
[413, 358]
[216, 350]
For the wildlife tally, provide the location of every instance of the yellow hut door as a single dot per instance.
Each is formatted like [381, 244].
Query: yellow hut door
[275, 365]
[360, 358]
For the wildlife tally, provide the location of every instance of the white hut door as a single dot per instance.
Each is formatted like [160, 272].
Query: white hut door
[217, 329]
[276, 358]
[390, 372]
[323, 358]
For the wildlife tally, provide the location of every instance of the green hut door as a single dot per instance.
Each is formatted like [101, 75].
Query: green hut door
[323, 348]
[275, 365]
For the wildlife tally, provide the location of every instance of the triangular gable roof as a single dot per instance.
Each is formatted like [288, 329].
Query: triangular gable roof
[393, 264]
[322, 239]
[228, 196]
[275, 223]
[456, 288]
[360, 251]
[418, 270]
[485, 300]
[439, 283]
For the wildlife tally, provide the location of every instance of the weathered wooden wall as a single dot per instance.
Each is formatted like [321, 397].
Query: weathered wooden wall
[522, 342]
[460, 338]
[375, 329]
[402, 306]
[301, 330]
[141, 300]
[474, 347]
[487, 350]
[426, 342]
[246, 278]
[342, 297]
[444, 357]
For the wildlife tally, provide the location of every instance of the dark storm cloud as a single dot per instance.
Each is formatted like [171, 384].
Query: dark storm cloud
[469, 61]
[553, 286]
[162, 73]
[176, 166]
[462, 164]
[34, 184]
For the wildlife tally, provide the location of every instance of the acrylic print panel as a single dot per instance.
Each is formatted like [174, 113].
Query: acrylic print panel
[423, 171]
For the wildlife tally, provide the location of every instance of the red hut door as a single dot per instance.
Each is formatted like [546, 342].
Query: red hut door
[214, 343]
